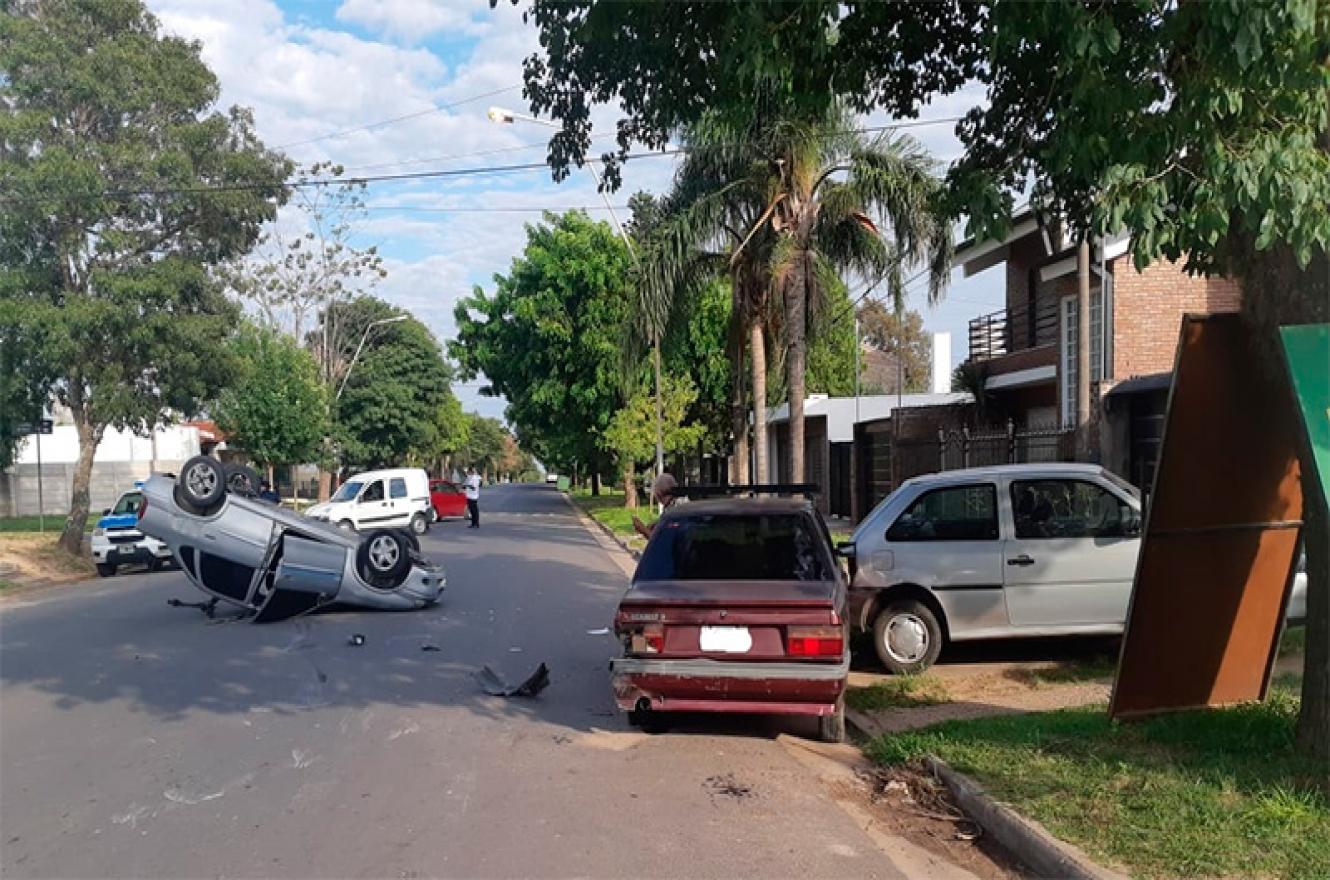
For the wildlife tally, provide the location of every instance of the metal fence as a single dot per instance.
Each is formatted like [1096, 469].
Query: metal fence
[964, 448]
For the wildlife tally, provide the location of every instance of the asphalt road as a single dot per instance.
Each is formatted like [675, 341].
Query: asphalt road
[138, 739]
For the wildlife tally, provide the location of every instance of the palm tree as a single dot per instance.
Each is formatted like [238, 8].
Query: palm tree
[784, 204]
[710, 226]
[834, 190]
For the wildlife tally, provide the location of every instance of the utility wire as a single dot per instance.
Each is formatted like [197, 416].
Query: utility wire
[395, 119]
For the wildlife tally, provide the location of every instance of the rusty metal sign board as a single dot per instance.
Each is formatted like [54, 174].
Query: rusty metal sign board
[1221, 532]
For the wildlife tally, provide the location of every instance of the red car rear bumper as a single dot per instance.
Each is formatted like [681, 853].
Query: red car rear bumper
[729, 686]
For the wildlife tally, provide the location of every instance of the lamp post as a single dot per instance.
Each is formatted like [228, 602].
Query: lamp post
[396, 319]
[504, 116]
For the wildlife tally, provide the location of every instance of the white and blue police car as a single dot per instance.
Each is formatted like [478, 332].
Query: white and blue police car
[117, 541]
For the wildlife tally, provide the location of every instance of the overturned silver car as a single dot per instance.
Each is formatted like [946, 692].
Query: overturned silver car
[275, 563]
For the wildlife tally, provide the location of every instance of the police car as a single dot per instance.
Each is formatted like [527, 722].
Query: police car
[117, 541]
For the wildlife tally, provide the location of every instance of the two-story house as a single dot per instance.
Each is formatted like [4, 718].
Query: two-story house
[1027, 352]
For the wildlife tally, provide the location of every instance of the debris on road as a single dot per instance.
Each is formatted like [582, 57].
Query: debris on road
[728, 786]
[430, 648]
[208, 607]
[603, 631]
[497, 687]
[356, 640]
[514, 650]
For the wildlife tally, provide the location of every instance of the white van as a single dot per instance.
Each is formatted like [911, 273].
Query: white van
[393, 498]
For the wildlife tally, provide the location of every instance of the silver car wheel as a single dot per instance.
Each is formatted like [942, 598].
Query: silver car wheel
[383, 553]
[201, 481]
[906, 638]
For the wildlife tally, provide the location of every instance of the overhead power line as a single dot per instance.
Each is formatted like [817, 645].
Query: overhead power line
[395, 119]
[496, 209]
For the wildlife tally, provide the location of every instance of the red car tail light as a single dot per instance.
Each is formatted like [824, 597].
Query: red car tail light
[815, 641]
[649, 639]
[143, 506]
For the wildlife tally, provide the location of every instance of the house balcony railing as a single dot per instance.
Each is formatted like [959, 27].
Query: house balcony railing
[1014, 329]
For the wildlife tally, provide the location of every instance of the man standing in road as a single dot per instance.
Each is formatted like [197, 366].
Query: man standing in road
[473, 497]
[662, 491]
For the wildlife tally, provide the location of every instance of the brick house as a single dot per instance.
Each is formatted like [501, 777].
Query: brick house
[1026, 353]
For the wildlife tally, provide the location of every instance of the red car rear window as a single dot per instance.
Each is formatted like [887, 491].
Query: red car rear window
[781, 547]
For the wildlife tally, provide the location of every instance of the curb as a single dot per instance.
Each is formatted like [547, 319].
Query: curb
[1026, 840]
[608, 532]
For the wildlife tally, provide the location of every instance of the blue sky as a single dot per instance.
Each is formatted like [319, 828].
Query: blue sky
[317, 73]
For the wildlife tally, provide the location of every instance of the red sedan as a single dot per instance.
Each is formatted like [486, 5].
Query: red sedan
[447, 498]
[737, 605]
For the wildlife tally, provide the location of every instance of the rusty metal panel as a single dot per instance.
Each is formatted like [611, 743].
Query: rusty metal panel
[1221, 532]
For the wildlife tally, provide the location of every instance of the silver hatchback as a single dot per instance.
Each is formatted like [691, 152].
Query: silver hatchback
[1003, 552]
[275, 563]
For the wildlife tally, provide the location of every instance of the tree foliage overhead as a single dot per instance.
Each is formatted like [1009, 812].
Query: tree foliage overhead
[122, 185]
[275, 407]
[388, 412]
[548, 338]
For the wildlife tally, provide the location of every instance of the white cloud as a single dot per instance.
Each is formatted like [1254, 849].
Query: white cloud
[414, 20]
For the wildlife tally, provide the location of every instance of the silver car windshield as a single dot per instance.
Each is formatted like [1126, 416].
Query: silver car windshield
[349, 491]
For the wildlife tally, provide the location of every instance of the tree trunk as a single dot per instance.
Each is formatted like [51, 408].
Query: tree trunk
[71, 539]
[295, 483]
[758, 358]
[629, 485]
[325, 485]
[1313, 736]
[796, 304]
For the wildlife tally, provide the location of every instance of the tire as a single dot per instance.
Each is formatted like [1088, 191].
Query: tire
[105, 569]
[831, 728]
[346, 525]
[201, 486]
[648, 721]
[433, 515]
[383, 559]
[907, 637]
[241, 480]
[158, 563]
[419, 525]
[412, 541]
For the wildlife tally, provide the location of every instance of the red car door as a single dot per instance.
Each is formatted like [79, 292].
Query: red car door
[448, 499]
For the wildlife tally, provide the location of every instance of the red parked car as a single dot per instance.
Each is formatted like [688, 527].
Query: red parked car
[447, 499]
[737, 605]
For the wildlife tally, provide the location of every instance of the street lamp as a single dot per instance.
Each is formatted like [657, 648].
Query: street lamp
[504, 116]
[396, 319]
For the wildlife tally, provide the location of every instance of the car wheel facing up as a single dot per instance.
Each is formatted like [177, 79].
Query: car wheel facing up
[105, 569]
[907, 637]
[383, 559]
[419, 525]
[201, 487]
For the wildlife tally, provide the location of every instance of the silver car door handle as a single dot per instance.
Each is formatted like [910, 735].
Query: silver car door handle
[1020, 560]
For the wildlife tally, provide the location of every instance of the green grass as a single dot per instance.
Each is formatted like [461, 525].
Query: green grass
[6, 585]
[898, 692]
[1209, 793]
[1294, 641]
[54, 523]
[607, 507]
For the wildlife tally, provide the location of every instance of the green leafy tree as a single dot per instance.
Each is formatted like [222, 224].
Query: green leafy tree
[830, 367]
[1199, 127]
[632, 431]
[24, 385]
[449, 435]
[276, 409]
[548, 339]
[386, 413]
[485, 448]
[907, 349]
[121, 186]
[697, 346]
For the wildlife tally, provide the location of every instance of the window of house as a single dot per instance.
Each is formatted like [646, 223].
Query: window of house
[956, 513]
[373, 492]
[1070, 346]
[397, 487]
[1068, 509]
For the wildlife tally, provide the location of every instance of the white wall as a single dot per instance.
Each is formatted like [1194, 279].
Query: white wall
[174, 443]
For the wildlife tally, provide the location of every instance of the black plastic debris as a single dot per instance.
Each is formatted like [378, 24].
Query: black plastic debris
[356, 640]
[208, 607]
[430, 648]
[497, 687]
